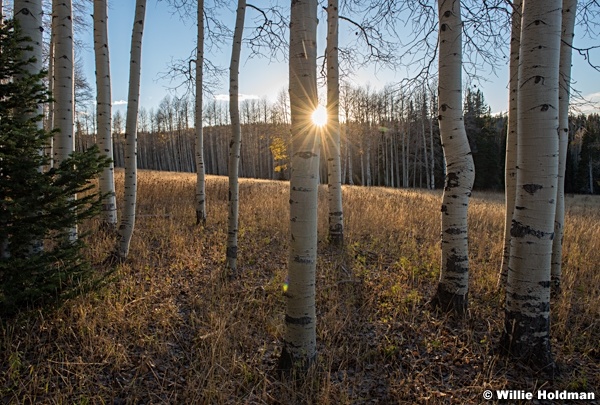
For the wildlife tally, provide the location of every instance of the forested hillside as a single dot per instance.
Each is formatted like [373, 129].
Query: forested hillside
[387, 140]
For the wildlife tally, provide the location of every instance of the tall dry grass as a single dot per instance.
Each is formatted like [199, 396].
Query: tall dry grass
[171, 329]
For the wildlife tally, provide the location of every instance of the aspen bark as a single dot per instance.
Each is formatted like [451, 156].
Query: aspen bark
[50, 122]
[200, 170]
[299, 341]
[64, 86]
[566, 49]
[236, 139]
[432, 154]
[527, 309]
[29, 14]
[104, 111]
[128, 221]
[453, 286]
[336, 218]
[510, 173]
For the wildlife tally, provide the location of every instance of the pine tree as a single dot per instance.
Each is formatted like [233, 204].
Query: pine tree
[37, 206]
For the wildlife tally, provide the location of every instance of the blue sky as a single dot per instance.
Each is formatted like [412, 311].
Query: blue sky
[166, 37]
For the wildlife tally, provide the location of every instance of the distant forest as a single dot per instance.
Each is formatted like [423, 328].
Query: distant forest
[387, 139]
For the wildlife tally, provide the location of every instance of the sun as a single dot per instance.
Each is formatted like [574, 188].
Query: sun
[319, 116]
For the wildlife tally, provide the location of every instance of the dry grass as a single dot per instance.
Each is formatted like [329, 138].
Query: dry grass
[171, 329]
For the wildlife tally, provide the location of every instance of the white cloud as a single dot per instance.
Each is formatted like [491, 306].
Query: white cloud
[242, 97]
[595, 97]
[119, 102]
[589, 104]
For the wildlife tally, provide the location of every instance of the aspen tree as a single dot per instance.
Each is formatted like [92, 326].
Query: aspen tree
[63, 84]
[104, 112]
[199, 156]
[236, 139]
[29, 15]
[299, 341]
[128, 219]
[453, 287]
[527, 309]
[332, 141]
[566, 49]
[510, 175]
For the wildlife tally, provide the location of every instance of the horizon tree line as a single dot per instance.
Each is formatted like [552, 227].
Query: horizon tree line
[381, 144]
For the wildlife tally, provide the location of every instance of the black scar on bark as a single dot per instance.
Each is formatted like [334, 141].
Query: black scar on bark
[291, 366]
[305, 155]
[444, 208]
[231, 252]
[451, 180]
[540, 307]
[302, 260]
[336, 236]
[454, 231]
[518, 230]
[532, 188]
[200, 218]
[521, 341]
[453, 264]
[449, 302]
[303, 320]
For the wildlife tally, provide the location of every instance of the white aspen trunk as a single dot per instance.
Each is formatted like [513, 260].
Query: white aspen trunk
[200, 170]
[349, 156]
[336, 218]
[64, 85]
[29, 15]
[50, 123]
[408, 137]
[368, 156]
[104, 112]
[392, 160]
[236, 140]
[453, 287]
[344, 156]
[527, 309]
[416, 153]
[432, 154]
[128, 220]
[299, 341]
[362, 163]
[510, 171]
[425, 157]
[566, 49]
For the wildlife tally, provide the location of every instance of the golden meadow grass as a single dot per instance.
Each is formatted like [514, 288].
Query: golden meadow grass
[171, 329]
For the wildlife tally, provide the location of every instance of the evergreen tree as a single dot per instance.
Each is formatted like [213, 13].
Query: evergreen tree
[587, 169]
[38, 263]
[486, 146]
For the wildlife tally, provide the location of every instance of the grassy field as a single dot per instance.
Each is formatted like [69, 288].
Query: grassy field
[171, 329]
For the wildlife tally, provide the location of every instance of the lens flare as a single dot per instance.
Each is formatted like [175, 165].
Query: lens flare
[319, 116]
[285, 285]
